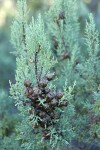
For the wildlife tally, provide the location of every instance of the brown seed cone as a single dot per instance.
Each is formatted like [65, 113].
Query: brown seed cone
[44, 91]
[50, 96]
[47, 91]
[45, 121]
[35, 91]
[35, 104]
[54, 102]
[42, 114]
[43, 96]
[59, 94]
[50, 76]
[34, 98]
[47, 108]
[52, 115]
[56, 116]
[43, 83]
[27, 83]
[39, 107]
[30, 91]
[64, 103]
[48, 119]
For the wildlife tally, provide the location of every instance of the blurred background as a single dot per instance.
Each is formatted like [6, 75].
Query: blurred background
[7, 59]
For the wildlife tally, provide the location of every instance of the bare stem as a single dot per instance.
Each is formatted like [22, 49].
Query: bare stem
[36, 67]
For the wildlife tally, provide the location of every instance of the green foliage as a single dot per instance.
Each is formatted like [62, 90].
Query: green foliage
[90, 78]
[82, 69]
[9, 143]
[34, 61]
[55, 46]
[6, 59]
[63, 30]
[8, 120]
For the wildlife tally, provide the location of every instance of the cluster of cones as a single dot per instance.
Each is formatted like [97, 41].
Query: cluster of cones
[44, 102]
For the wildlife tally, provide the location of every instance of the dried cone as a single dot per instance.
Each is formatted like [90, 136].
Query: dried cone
[43, 96]
[56, 116]
[43, 83]
[59, 94]
[43, 122]
[50, 76]
[42, 114]
[30, 91]
[39, 107]
[50, 96]
[34, 99]
[47, 108]
[47, 91]
[45, 112]
[35, 91]
[54, 102]
[35, 103]
[52, 115]
[27, 83]
[64, 103]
